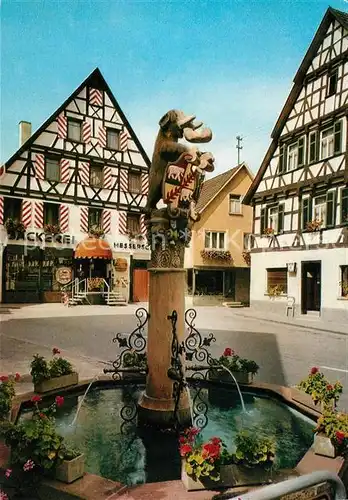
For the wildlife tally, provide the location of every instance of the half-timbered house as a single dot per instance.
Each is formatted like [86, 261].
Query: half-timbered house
[299, 247]
[83, 174]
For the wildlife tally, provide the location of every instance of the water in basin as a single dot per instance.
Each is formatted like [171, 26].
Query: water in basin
[133, 455]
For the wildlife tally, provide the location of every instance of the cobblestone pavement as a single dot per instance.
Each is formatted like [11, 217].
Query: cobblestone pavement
[284, 352]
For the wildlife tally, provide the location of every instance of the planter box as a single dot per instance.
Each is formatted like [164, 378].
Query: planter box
[243, 378]
[247, 476]
[70, 470]
[53, 384]
[323, 446]
[226, 480]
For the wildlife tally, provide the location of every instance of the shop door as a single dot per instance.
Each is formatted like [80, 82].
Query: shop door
[140, 285]
[311, 286]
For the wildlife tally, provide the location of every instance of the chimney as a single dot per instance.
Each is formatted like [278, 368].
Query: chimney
[24, 132]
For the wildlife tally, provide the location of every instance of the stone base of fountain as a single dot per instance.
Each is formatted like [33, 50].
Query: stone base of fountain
[160, 412]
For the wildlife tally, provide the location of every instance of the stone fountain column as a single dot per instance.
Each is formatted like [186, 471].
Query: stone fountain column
[166, 294]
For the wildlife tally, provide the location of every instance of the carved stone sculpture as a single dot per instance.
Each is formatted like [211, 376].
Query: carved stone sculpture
[176, 176]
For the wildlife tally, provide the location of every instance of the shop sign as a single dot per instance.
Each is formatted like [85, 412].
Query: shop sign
[42, 237]
[64, 275]
[132, 246]
[121, 265]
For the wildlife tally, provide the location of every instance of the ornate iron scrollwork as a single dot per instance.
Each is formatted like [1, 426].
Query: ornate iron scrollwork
[133, 344]
[196, 346]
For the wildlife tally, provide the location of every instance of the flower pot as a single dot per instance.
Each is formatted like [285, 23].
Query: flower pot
[53, 384]
[70, 470]
[243, 378]
[323, 446]
[226, 479]
[241, 475]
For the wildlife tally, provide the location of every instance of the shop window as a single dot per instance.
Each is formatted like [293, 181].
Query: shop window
[12, 209]
[74, 130]
[235, 204]
[134, 182]
[94, 218]
[277, 281]
[133, 223]
[344, 281]
[112, 139]
[332, 82]
[344, 206]
[52, 170]
[51, 213]
[214, 240]
[96, 176]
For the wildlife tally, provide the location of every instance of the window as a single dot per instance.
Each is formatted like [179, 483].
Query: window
[74, 130]
[319, 209]
[276, 218]
[12, 209]
[344, 281]
[332, 83]
[313, 146]
[330, 208]
[214, 240]
[235, 204]
[133, 223]
[52, 170]
[331, 140]
[263, 220]
[296, 154]
[344, 206]
[134, 182]
[277, 280]
[94, 218]
[112, 139]
[306, 212]
[248, 241]
[51, 213]
[96, 176]
[292, 156]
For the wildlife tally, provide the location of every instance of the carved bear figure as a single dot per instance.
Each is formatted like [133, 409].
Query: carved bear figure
[174, 125]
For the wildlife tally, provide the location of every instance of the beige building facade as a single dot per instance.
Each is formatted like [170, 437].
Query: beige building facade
[217, 265]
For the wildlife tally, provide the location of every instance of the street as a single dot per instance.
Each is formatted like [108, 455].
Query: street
[84, 334]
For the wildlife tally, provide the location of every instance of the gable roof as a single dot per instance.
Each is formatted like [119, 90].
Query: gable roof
[212, 187]
[96, 80]
[330, 15]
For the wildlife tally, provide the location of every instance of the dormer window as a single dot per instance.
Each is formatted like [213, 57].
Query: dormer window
[332, 83]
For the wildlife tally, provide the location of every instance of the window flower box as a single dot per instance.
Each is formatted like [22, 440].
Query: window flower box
[241, 475]
[221, 255]
[69, 471]
[314, 225]
[225, 481]
[51, 229]
[269, 231]
[55, 383]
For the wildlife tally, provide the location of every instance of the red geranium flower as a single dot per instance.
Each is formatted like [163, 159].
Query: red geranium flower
[36, 399]
[182, 440]
[59, 400]
[228, 352]
[43, 415]
[212, 449]
[17, 377]
[4, 378]
[340, 436]
[215, 440]
[314, 370]
[55, 350]
[185, 449]
[329, 387]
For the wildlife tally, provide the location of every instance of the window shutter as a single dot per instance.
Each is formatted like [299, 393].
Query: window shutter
[312, 147]
[337, 136]
[263, 221]
[26, 213]
[144, 183]
[107, 177]
[84, 220]
[122, 222]
[39, 162]
[106, 221]
[306, 212]
[64, 218]
[330, 208]
[84, 173]
[86, 132]
[301, 151]
[1, 209]
[282, 159]
[344, 206]
[281, 218]
[39, 214]
[317, 145]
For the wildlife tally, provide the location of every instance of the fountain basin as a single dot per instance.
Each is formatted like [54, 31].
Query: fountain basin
[117, 449]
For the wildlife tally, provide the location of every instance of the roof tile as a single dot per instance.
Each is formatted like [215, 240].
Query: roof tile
[211, 187]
